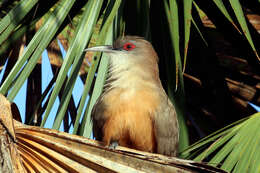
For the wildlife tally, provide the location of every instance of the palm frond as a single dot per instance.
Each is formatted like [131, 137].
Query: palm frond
[233, 148]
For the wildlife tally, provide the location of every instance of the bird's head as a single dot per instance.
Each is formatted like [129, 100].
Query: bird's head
[130, 50]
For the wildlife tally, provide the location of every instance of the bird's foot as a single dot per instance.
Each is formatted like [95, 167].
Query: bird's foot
[113, 145]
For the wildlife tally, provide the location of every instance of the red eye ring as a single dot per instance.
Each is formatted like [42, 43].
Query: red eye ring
[128, 46]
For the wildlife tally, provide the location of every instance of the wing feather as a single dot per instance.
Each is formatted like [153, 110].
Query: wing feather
[166, 128]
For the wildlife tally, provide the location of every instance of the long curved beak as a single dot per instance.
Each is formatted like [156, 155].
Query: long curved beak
[106, 49]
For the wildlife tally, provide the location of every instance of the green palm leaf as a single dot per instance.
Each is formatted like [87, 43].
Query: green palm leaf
[234, 148]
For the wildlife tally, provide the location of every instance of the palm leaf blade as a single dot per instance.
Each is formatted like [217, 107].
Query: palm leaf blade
[86, 27]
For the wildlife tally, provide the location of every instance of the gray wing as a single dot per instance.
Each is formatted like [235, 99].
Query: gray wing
[166, 127]
[97, 116]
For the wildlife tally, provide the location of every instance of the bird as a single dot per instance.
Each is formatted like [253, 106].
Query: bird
[133, 109]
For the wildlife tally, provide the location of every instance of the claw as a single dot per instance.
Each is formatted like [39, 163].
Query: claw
[113, 145]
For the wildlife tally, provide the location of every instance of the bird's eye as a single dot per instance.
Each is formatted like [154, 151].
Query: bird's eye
[128, 46]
